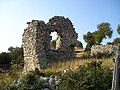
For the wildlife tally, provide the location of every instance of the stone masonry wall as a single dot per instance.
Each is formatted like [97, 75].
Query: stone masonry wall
[36, 42]
[103, 49]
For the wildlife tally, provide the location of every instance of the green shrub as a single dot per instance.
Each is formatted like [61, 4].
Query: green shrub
[92, 77]
[30, 81]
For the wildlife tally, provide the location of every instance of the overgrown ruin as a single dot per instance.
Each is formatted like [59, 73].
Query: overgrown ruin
[36, 42]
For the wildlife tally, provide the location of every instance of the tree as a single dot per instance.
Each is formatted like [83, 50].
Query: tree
[11, 48]
[116, 41]
[79, 44]
[16, 54]
[53, 44]
[109, 43]
[118, 29]
[104, 31]
[98, 36]
[5, 58]
[89, 39]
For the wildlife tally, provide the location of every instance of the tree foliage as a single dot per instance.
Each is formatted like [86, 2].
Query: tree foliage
[5, 58]
[109, 43]
[104, 31]
[16, 54]
[98, 36]
[118, 29]
[79, 44]
[89, 39]
[116, 41]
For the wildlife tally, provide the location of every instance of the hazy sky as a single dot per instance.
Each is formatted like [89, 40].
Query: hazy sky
[84, 14]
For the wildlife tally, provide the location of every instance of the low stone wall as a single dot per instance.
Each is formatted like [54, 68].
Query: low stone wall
[95, 49]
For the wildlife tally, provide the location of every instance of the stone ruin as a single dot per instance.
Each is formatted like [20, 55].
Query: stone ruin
[95, 49]
[36, 42]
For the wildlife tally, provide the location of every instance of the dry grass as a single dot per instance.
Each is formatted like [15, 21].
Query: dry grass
[61, 65]
[73, 64]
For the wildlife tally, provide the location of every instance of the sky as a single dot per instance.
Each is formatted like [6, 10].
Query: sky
[84, 14]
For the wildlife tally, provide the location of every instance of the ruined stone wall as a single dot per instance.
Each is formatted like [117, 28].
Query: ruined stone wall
[36, 42]
[103, 49]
